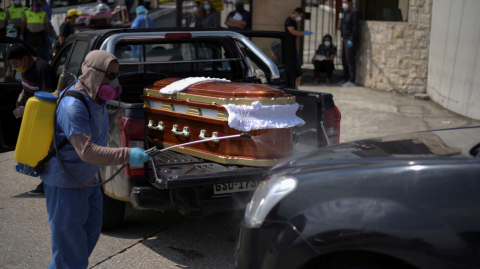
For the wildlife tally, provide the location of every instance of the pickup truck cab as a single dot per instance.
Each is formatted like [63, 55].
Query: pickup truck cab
[194, 187]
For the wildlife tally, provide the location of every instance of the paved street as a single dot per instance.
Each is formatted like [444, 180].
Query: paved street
[150, 239]
[369, 113]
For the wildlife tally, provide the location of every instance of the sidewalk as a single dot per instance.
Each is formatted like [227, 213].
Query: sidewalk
[370, 113]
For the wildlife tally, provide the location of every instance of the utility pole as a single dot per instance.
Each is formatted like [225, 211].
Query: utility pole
[179, 13]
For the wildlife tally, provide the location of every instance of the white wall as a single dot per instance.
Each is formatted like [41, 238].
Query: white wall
[454, 58]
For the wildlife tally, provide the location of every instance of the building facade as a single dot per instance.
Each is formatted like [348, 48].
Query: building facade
[393, 56]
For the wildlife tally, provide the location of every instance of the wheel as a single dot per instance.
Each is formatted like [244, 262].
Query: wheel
[113, 211]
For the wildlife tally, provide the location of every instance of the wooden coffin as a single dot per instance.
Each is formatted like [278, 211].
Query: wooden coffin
[198, 110]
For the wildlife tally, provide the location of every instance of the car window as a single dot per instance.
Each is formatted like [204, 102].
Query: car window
[78, 54]
[7, 73]
[176, 52]
[62, 60]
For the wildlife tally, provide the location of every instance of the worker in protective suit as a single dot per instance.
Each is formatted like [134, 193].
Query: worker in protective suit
[75, 211]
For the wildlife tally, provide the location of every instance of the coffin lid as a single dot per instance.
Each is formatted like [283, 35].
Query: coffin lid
[223, 89]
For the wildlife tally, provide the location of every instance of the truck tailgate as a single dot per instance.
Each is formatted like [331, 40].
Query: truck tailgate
[312, 110]
[175, 170]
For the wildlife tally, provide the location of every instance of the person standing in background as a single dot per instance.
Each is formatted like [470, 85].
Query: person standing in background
[37, 75]
[46, 7]
[15, 14]
[34, 23]
[239, 19]
[66, 29]
[291, 27]
[142, 20]
[197, 15]
[350, 32]
[9, 72]
[3, 21]
[129, 4]
[212, 18]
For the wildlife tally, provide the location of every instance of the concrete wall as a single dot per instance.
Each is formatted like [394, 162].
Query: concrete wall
[454, 59]
[270, 15]
[393, 56]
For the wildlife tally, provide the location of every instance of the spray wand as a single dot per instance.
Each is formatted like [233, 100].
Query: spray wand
[151, 152]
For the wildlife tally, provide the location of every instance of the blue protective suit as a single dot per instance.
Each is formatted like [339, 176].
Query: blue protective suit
[72, 118]
[75, 217]
[140, 21]
[74, 214]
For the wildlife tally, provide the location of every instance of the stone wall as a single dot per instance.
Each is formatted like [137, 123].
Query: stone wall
[393, 56]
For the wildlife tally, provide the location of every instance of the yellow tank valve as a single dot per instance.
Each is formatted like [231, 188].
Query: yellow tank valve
[36, 132]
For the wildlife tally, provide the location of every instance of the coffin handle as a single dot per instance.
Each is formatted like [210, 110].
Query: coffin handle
[159, 127]
[185, 131]
[203, 135]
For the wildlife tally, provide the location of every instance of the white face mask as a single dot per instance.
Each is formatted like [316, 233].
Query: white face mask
[298, 19]
[195, 9]
[327, 43]
[345, 6]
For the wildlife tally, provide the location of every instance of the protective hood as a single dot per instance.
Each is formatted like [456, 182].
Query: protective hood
[90, 80]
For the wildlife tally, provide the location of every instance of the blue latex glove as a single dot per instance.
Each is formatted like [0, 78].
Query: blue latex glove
[138, 156]
[307, 32]
[350, 43]
[21, 36]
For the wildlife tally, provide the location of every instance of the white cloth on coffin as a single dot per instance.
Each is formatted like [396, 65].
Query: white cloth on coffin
[257, 116]
[181, 85]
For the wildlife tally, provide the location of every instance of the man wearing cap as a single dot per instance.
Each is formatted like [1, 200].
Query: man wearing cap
[142, 20]
[14, 14]
[66, 29]
[34, 23]
[239, 19]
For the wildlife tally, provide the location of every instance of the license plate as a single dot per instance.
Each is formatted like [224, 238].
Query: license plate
[235, 187]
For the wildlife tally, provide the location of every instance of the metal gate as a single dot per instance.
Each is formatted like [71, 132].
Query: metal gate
[228, 6]
[321, 17]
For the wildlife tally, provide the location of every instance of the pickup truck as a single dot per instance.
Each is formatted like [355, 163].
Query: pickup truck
[173, 52]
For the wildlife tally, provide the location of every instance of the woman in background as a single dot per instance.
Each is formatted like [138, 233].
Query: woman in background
[212, 18]
[323, 59]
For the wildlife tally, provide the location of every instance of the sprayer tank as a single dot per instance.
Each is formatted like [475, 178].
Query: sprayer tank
[36, 132]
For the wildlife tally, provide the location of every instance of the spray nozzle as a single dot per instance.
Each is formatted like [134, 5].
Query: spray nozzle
[246, 135]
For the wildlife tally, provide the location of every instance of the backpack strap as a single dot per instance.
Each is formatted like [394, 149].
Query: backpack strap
[81, 98]
[77, 95]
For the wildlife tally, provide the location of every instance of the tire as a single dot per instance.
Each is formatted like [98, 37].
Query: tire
[113, 211]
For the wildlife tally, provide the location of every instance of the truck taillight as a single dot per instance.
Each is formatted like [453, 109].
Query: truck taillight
[132, 135]
[178, 35]
[332, 126]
